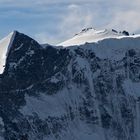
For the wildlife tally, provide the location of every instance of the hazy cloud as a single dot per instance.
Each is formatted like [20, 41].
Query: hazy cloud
[75, 19]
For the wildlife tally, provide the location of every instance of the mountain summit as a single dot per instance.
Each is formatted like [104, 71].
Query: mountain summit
[90, 35]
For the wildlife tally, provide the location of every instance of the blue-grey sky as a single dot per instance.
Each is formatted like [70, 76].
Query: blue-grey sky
[53, 21]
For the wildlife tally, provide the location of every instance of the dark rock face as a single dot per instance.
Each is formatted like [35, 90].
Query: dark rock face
[64, 94]
[125, 33]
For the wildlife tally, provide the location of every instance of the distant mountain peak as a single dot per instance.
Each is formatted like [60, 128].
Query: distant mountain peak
[92, 35]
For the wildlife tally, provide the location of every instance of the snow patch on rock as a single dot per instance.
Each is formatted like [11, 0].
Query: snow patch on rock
[5, 45]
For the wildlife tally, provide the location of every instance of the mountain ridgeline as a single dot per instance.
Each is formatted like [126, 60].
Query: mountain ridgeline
[80, 92]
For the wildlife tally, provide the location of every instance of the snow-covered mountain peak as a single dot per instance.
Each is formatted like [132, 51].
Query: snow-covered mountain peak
[91, 31]
[91, 35]
[5, 45]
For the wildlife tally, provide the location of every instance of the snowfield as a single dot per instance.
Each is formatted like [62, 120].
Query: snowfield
[91, 35]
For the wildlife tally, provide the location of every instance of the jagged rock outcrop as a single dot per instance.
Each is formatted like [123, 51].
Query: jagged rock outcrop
[82, 92]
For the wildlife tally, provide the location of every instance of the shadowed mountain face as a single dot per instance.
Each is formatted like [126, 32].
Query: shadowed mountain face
[77, 93]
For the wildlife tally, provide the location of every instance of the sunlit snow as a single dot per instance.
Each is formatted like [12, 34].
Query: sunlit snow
[5, 45]
[90, 35]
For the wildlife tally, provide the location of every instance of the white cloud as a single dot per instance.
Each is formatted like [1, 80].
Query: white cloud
[75, 19]
[128, 20]
[70, 22]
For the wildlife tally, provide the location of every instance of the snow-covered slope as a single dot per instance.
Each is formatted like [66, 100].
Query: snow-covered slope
[5, 45]
[91, 35]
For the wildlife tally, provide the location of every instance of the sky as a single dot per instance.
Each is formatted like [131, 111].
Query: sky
[53, 21]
